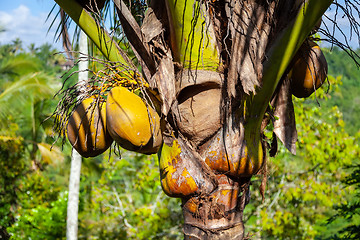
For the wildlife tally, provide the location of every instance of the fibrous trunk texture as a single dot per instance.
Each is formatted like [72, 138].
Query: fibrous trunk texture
[219, 214]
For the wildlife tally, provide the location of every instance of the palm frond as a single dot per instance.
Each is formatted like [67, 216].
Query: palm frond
[29, 88]
[65, 35]
[18, 65]
[50, 154]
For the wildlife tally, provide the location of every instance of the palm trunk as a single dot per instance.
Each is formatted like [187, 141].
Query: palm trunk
[73, 197]
[75, 170]
[219, 214]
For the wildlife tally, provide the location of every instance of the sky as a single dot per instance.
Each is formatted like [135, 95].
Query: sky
[26, 19]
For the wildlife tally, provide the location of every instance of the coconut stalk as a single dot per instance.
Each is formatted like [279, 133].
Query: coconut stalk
[218, 65]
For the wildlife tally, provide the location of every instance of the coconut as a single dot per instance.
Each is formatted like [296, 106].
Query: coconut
[131, 123]
[309, 70]
[86, 129]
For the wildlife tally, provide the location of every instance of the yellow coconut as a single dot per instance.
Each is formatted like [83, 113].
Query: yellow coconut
[86, 129]
[309, 71]
[132, 124]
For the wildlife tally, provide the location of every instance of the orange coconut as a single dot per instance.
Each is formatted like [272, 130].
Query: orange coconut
[86, 129]
[309, 70]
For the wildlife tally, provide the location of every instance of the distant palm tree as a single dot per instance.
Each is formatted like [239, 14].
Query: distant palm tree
[32, 48]
[17, 44]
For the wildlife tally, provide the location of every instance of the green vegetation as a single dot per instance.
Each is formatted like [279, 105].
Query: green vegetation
[28, 82]
[313, 195]
[347, 98]
[303, 190]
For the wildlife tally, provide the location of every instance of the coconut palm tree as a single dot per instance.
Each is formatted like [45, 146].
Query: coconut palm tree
[17, 44]
[217, 72]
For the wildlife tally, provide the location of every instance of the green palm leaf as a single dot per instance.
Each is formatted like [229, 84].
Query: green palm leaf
[16, 66]
[29, 88]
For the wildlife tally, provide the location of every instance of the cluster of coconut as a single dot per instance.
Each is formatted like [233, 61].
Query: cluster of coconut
[123, 117]
[308, 70]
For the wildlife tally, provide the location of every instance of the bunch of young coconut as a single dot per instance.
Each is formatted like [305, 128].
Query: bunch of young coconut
[124, 117]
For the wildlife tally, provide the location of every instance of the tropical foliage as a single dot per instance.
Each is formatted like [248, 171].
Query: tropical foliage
[26, 91]
[347, 98]
[303, 190]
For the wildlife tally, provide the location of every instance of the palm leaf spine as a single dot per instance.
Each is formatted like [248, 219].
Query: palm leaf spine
[280, 55]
